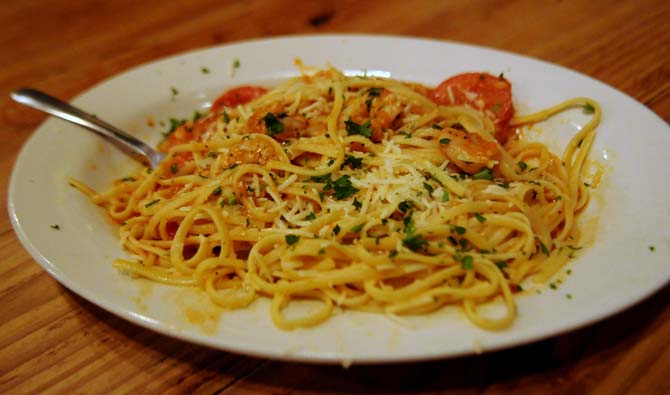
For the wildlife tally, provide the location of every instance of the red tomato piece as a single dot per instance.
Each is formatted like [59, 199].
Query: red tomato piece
[239, 95]
[482, 91]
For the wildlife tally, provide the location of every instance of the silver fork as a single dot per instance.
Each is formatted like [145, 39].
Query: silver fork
[58, 108]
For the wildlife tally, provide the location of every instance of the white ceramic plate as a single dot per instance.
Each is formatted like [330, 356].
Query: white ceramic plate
[616, 272]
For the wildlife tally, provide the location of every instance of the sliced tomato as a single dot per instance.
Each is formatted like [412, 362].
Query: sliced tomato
[239, 95]
[482, 91]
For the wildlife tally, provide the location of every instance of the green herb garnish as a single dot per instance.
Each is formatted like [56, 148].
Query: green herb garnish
[273, 124]
[291, 239]
[458, 229]
[467, 262]
[445, 196]
[342, 187]
[544, 249]
[352, 161]
[151, 203]
[355, 129]
[374, 92]
[357, 228]
[485, 174]
[405, 205]
[415, 242]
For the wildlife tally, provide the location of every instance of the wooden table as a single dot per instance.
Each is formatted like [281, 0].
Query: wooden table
[52, 341]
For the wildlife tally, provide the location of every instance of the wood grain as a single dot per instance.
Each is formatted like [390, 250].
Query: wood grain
[54, 342]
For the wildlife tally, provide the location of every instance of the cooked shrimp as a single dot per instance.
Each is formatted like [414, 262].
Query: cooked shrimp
[469, 151]
[380, 107]
[384, 109]
[251, 150]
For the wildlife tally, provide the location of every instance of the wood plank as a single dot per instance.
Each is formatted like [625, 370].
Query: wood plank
[52, 341]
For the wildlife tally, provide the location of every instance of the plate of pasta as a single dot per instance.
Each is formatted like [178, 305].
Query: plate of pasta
[353, 199]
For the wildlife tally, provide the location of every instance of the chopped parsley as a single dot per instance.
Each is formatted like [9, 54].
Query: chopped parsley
[415, 242]
[352, 161]
[495, 107]
[236, 65]
[374, 91]
[445, 196]
[405, 205]
[480, 217]
[226, 117]
[273, 124]
[342, 187]
[501, 264]
[311, 217]
[174, 124]
[336, 230]
[436, 126]
[445, 141]
[409, 225]
[428, 187]
[291, 239]
[355, 129]
[125, 179]
[174, 168]
[204, 70]
[588, 109]
[458, 229]
[57, 227]
[323, 178]
[467, 262]
[217, 191]
[151, 203]
[652, 248]
[485, 174]
[522, 165]
[357, 228]
[174, 91]
[357, 204]
[544, 249]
